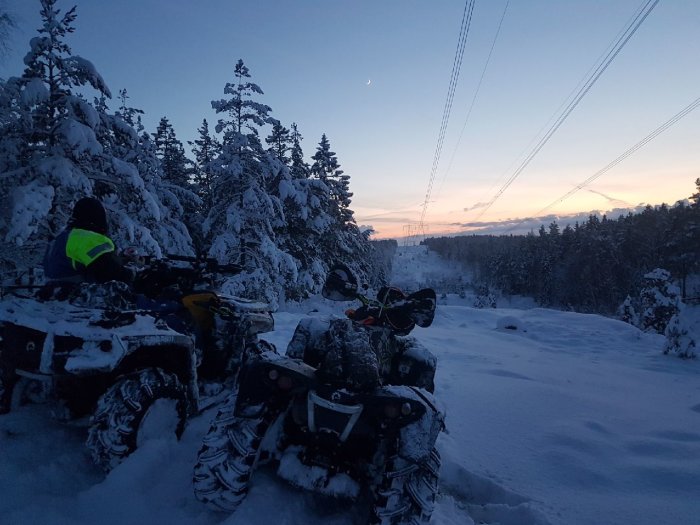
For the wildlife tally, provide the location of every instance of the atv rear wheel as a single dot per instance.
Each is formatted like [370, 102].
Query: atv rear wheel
[406, 493]
[125, 414]
[228, 457]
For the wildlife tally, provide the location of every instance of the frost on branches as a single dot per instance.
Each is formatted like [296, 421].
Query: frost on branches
[659, 299]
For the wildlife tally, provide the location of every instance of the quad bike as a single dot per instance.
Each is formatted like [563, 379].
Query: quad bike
[126, 360]
[348, 413]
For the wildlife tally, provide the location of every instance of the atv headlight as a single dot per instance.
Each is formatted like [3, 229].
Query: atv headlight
[394, 410]
[285, 383]
[391, 411]
[282, 381]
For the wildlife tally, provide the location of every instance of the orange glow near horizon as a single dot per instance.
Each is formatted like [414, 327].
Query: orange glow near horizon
[447, 215]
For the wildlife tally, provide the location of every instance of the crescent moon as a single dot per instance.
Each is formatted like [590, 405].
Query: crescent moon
[369, 82]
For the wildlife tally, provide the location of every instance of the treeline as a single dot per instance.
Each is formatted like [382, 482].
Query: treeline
[590, 267]
[247, 195]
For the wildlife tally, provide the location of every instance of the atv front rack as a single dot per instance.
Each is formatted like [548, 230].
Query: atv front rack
[353, 411]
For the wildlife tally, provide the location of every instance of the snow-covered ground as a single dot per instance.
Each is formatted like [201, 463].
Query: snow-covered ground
[553, 418]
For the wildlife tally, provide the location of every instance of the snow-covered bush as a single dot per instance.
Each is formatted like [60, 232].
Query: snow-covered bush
[484, 298]
[660, 300]
[683, 333]
[627, 313]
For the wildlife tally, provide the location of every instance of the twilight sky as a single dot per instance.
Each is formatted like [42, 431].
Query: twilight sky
[314, 60]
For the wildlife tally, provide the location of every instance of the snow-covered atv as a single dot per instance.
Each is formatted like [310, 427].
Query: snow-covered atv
[126, 361]
[349, 412]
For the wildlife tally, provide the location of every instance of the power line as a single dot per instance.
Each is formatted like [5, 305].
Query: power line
[651, 136]
[625, 36]
[480, 202]
[454, 77]
[476, 94]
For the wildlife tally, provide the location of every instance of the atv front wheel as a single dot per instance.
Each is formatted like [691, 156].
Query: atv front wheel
[228, 457]
[406, 493]
[133, 408]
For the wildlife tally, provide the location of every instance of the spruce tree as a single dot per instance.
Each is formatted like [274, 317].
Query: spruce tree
[299, 168]
[128, 114]
[280, 142]
[660, 301]
[205, 149]
[177, 168]
[695, 197]
[306, 219]
[682, 336]
[7, 24]
[244, 215]
[327, 169]
[343, 240]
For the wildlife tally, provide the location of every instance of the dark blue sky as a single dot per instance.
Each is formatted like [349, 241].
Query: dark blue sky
[314, 59]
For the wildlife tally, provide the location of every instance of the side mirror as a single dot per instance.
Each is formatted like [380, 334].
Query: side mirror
[340, 285]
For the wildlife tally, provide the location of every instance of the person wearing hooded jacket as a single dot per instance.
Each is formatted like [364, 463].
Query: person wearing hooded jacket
[83, 251]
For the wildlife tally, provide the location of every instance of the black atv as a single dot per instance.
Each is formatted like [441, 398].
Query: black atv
[348, 413]
[121, 359]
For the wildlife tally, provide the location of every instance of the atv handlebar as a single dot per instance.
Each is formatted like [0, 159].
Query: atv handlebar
[205, 263]
[158, 274]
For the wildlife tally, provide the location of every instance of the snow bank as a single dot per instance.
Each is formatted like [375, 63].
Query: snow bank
[576, 420]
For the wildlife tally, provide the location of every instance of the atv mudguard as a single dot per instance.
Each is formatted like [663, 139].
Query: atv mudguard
[413, 365]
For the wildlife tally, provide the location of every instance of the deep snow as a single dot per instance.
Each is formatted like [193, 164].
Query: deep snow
[567, 419]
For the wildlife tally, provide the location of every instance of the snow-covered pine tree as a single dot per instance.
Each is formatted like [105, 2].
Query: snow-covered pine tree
[280, 142]
[7, 24]
[131, 116]
[299, 168]
[327, 169]
[627, 313]
[305, 219]
[177, 174]
[177, 168]
[683, 334]
[484, 297]
[149, 216]
[205, 149]
[55, 149]
[659, 299]
[343, 241]
[695, 197]
[244, 216]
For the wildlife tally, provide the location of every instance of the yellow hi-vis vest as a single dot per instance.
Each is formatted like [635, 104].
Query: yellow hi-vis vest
[84, 246]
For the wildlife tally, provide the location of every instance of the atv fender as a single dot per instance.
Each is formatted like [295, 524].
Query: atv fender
[417, 440]
[270, 381]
